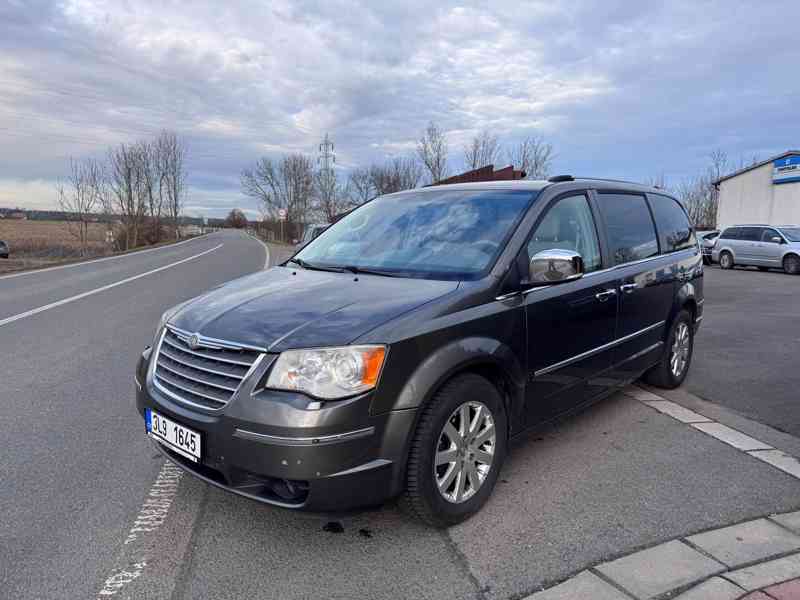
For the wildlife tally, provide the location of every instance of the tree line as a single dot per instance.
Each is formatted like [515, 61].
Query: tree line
[308, 193]
[698, 193]
[143, 184]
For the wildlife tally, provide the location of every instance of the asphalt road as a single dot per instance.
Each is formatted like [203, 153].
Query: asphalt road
[76, 470]
[748, 349]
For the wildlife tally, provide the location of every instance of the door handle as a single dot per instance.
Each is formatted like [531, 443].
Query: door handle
[628, 288]
[605, 295]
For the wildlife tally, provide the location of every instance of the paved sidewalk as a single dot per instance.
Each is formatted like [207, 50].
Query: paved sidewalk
[757, 559]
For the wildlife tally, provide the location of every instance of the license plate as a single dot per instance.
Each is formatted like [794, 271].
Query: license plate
[174, 436]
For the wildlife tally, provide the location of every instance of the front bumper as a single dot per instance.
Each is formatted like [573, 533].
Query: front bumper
[271, 447]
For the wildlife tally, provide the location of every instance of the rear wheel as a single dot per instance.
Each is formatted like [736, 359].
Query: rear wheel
[791, 264]
[726, 260]
[677, 357]
[457, 451]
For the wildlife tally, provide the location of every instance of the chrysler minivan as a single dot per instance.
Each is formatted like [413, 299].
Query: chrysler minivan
[398, 353]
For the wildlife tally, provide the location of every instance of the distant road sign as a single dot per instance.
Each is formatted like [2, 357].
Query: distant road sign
[282, 214]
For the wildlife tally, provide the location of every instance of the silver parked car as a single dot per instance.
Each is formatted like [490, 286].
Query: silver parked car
[762, 246]
[706, 239]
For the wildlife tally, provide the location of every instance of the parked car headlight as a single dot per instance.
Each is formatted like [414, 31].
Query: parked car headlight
[328, 373]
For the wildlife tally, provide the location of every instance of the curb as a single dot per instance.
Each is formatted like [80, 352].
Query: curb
[758, 559]
[266, 250]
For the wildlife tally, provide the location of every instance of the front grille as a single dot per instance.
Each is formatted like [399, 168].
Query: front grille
[208, 375]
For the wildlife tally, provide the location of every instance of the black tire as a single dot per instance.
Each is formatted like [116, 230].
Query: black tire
[762, 269]
[422, 497]
[663, 375]
[791, 264]
[725, 260]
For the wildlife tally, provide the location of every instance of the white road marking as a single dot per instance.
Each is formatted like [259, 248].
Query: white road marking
[749, 445]
[35, 311]
[676, 411]
[731, 437]
[779, 460]
[149, 519]
[97, 260]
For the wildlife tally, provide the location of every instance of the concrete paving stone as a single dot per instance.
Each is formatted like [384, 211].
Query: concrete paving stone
[660, 569]
[746, 542]
[676, 411]
[780, 460]
[583, 585]
[715, 588]
[768, 573]
[789, 590]
[757, 596]
[732, 437]
[789, 520]
[641, 395]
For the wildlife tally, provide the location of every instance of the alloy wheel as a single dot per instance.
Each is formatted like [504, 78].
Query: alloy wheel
[465, 452]
[680, 350]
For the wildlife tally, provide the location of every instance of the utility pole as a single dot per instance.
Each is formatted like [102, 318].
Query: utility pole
[327, 176]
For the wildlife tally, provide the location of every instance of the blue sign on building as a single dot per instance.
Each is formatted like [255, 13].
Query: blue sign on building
[785, 170]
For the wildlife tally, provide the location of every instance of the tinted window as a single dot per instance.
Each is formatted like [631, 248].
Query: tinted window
[674, 230]
[437, 234]
[751, 234]
[568, 225]
[731, 233]
[631, 235]
[768, 234]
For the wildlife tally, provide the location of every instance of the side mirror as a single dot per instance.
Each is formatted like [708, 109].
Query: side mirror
[554, 266]
[776, 239]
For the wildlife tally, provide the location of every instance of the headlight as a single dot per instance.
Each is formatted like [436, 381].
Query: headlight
[328, 372]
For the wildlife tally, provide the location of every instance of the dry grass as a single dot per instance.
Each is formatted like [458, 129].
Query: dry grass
[40, 243]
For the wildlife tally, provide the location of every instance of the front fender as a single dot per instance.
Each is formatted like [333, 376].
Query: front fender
[461, 355]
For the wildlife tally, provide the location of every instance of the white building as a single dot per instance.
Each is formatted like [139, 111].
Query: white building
[767, 192]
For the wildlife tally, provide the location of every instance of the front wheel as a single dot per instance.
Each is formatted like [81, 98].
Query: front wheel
[457, 451]
[791, 264]
[670, 372]
[726, 260]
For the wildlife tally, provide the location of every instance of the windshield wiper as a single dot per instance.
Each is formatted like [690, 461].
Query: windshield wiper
[356, 270]
[312, 267]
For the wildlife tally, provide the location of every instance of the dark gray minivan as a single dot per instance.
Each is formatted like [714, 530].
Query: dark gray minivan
[400, 351]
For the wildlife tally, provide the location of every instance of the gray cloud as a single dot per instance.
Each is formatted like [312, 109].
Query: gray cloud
[624, 89]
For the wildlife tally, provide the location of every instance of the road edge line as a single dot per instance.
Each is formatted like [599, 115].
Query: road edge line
[37, 310]
[103, 259]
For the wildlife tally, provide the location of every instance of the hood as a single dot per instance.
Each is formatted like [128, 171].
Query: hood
[286, 308]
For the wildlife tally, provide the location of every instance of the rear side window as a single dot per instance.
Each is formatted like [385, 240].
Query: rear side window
[631, 234]
[751, 234]
[674, 230]
[731, 233]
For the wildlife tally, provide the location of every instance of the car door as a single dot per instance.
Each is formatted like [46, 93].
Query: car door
[766, 251]
[646, 279]
[744, 247]
[569, 325]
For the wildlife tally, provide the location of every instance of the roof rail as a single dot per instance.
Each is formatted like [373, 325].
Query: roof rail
[557, 178]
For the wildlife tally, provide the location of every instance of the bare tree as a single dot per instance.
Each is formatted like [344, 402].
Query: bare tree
[331, 198]
[80, 197]
[171, 157]
[359, 185]
[482, 150]
[287, 183]
[432, 151]
[236, 219]
[532, 155]
[123, 179]
[395, 175]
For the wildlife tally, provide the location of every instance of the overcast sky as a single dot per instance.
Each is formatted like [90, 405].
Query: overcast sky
[621, 89]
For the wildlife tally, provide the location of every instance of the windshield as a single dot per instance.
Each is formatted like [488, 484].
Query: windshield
[432, 234]
[792, 233]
